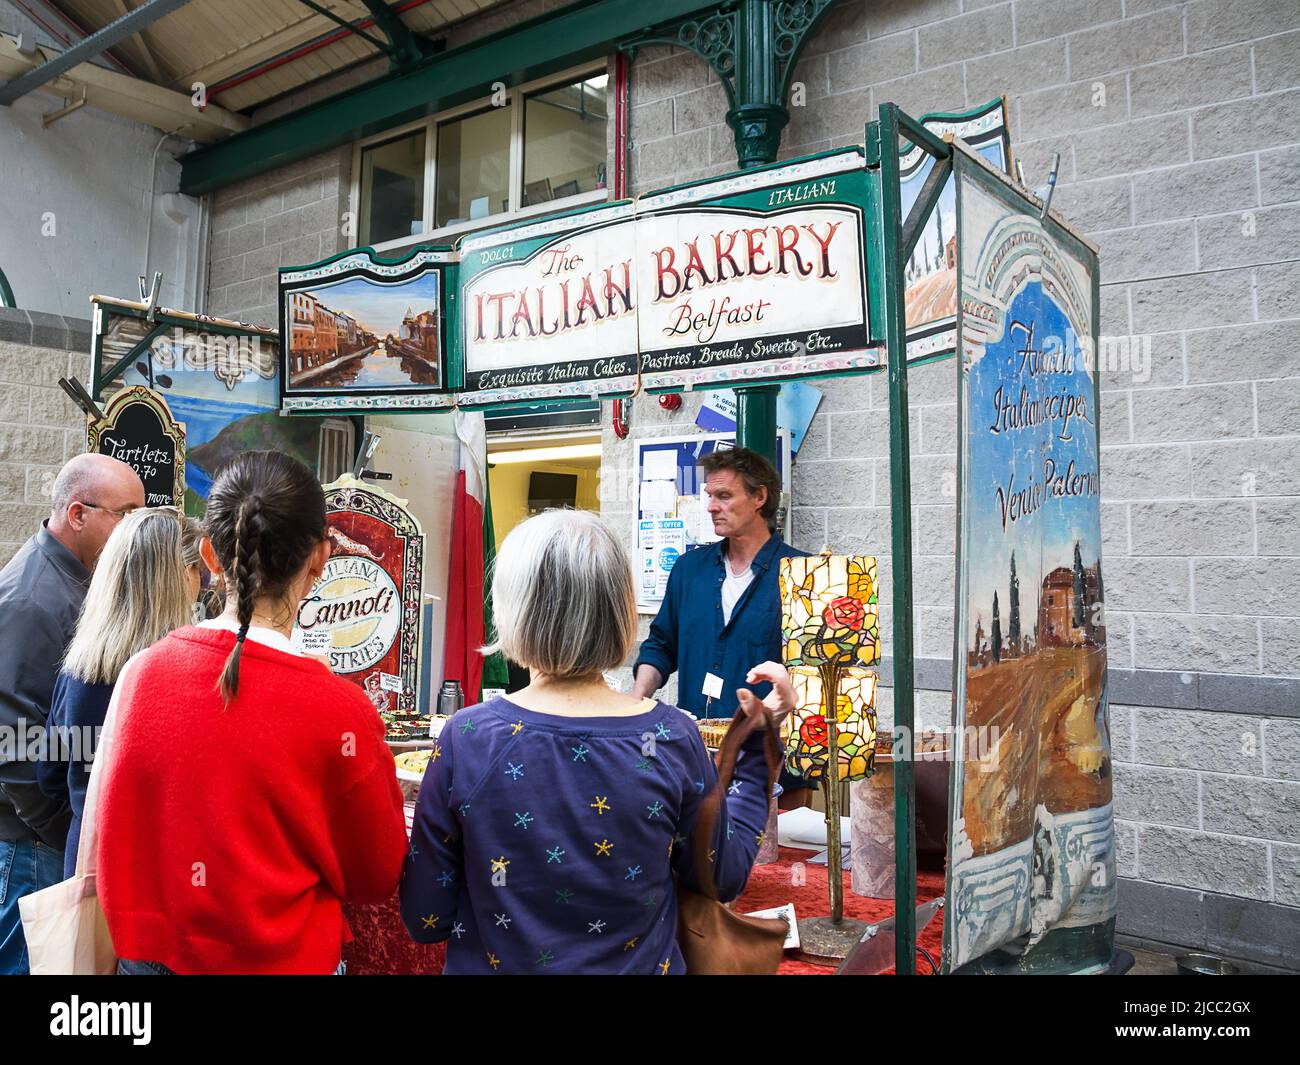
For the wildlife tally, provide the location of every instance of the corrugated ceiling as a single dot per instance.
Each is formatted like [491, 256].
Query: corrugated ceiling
[247, 52]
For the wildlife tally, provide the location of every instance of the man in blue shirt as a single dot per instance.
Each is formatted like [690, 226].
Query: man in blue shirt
[721, 613]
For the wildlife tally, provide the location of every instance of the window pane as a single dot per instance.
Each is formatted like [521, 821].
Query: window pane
[473, 167]
[392, 189]
[564, 141]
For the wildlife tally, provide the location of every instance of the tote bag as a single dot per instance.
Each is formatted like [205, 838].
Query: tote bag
[67, 934]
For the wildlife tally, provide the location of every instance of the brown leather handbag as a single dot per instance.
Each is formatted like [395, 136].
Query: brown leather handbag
[714, 940]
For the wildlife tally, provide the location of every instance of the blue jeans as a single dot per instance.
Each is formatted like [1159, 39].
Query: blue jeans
[25, 866]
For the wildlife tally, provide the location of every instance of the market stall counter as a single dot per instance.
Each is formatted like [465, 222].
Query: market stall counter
[381, 945]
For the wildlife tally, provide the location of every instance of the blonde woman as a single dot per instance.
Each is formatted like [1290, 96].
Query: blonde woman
[140, 592]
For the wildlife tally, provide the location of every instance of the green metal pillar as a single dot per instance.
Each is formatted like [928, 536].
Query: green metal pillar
[6, 293]
[900, 499]
[756, 419]
[752, 47]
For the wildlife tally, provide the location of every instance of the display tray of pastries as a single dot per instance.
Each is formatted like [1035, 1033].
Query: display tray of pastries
[412, 764]
[714, 729]
[411, 733]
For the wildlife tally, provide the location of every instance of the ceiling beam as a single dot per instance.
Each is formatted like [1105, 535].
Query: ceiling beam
[405, 48]
[339, 20]
[97, 43]
[582, 31]
[140, 45]
[130, 97]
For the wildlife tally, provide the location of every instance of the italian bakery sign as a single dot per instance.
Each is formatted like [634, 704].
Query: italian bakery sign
[758, 274]
[364, 610]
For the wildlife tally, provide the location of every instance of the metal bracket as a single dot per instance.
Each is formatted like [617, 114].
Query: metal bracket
[149, 294]
[1046, 192]
[50, 117]
[406, 49]
[369, 441]
[752, 46]
[78, 394]
[925, 201]
[146, 342]
[375, 42]
[712, 38]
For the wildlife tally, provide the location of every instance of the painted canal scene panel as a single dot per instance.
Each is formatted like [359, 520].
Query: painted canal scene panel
[356, 328]
[930, 276]
[1031, 870]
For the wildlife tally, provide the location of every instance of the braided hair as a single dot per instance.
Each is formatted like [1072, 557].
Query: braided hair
[266, 514]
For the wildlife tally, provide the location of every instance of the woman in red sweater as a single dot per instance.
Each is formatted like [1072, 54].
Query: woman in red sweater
[248, 790]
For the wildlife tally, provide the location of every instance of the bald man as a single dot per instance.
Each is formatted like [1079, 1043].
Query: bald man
[41, 591]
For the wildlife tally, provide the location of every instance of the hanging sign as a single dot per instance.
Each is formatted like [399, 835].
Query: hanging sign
[364, 611]
[1031, 866]
[759, 274]
[362, 333]
[138, 429]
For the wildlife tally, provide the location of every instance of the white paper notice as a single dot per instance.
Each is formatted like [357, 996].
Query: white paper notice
[658, 499]
[390, 682]
[660, 465]
[787, 912]
[312, 641]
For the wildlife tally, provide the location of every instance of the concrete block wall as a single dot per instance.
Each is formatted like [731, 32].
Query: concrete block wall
[287, 217]
[1178, 126]
[40, 428]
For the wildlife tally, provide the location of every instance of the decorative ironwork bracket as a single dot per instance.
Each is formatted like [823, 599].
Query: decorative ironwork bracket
[752, 46]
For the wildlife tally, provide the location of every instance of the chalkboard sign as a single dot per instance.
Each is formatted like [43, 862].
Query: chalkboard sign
[138, 428]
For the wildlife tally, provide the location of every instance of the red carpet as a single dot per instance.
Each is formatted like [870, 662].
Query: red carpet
[771, 885]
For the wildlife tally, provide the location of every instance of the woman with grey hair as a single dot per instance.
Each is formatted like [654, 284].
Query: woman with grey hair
[550, 825]
[142, 589]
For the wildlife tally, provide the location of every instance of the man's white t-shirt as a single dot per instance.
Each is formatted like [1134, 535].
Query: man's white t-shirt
[733, 587]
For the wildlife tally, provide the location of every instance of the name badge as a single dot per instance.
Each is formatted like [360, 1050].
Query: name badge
[712, 686]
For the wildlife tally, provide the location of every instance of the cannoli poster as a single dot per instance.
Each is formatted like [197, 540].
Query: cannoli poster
[359, 612]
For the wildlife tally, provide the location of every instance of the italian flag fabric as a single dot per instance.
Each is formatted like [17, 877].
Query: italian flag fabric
[472, 550]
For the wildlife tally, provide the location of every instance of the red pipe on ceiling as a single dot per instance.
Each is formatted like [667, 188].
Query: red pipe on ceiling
[302, 50]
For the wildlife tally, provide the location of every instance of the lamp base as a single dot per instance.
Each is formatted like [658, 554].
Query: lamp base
[822, 939]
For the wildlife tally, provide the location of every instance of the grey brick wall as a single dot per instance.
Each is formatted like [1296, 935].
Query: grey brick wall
[40, 428]
[1188, 177]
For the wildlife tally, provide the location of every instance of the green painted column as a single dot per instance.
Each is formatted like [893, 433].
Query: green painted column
[752, 46]
[756, 419]
[6, 293]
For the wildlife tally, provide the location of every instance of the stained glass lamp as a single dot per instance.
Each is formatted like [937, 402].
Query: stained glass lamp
[829, 610]
[830, 629]
[855, 721]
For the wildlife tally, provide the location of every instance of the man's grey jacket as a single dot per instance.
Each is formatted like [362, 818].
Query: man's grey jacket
[41, 592]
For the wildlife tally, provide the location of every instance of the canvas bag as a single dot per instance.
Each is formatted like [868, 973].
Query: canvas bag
[714, 940]
[67, 933]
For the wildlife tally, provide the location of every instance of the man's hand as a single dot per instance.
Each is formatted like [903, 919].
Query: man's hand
[780, 700]
[648, 681]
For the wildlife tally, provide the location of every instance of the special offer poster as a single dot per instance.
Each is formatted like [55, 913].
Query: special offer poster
[364, 611]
